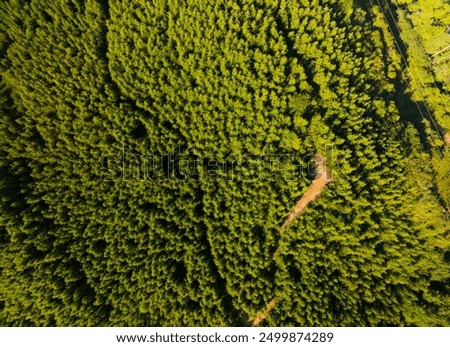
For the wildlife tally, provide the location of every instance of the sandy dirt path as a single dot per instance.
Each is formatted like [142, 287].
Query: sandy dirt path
[263, 315]
[322, 178]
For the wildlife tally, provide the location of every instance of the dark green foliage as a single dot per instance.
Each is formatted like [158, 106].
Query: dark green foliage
[225, 82]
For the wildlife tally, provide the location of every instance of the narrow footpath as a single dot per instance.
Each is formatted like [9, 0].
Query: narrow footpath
[322, 178]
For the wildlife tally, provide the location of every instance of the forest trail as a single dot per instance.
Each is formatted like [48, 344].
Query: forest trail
[322, 178]
[261, 316]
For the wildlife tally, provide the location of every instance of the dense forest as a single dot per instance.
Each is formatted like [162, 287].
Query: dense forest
[151, 153]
